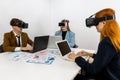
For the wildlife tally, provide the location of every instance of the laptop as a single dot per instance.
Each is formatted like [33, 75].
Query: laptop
[52, 41]
[65, 50]
[45, 42]
[40, 43]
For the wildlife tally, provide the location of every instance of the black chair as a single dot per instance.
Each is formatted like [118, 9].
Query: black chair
[1, 48]
[75, 46]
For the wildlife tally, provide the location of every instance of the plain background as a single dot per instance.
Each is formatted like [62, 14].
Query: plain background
[43, 17]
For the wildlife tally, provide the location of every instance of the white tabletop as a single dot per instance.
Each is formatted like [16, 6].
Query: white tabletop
[60, 69]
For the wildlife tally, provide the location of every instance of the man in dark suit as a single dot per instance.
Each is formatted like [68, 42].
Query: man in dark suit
[16, 40]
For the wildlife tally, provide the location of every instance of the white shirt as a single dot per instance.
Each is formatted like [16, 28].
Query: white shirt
[17, 48]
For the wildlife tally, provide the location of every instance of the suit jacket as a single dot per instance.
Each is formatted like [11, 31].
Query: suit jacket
[70, 37]
[10, 42]
[106, 64]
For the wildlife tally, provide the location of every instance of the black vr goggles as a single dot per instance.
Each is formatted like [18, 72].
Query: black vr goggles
[95, 21]
[23, 25]
[62, 24]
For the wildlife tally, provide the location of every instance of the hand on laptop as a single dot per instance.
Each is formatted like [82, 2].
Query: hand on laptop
[84, 53]
[27, 48]
[72, 56]
[81, 53]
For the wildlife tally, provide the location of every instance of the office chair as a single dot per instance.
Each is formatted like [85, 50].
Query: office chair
[75, 46]
[1, 48]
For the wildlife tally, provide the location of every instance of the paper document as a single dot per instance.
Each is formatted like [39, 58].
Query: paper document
[42, 57]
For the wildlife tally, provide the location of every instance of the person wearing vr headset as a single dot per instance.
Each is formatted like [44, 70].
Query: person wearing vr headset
[16, 40]
[66, 33]
[106, 63]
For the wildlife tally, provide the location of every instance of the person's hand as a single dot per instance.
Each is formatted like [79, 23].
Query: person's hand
[84, 53]
[27, 48]
[72, 56]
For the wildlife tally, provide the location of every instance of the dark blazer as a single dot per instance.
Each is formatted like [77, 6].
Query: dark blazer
[10, 42]
[106, 64]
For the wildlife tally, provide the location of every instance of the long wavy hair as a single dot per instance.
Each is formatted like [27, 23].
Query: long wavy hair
[111, 28]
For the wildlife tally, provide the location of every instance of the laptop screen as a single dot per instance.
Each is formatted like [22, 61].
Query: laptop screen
[40, 43]
[64, 47]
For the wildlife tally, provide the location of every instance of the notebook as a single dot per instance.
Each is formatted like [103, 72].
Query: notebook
[52, 41]
[65, 50]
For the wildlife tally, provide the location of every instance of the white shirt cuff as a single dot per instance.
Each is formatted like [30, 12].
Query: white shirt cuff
[17, 49]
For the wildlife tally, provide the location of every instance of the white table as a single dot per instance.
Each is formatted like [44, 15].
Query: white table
[59, 70]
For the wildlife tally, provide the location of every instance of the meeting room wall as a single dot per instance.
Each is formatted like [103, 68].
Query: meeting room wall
[34, 12]
[43, 17]
[77, 11]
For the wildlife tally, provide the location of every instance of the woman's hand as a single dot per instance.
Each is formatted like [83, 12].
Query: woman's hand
[72, 56]
[84, 53]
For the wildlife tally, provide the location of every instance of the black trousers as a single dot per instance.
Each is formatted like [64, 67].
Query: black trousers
[83, 77]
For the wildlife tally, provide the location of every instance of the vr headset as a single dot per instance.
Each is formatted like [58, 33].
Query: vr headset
[21, 25]
[62, 24]
[95, 21]
[24, 25]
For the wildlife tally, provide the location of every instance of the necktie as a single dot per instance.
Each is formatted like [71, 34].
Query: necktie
[18, 40]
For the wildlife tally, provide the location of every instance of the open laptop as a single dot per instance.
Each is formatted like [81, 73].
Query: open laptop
[52, 41]
[65, 49]
[40, 43]
[44, 42]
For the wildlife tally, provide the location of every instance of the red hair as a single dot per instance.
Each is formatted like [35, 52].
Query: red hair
[111, 28]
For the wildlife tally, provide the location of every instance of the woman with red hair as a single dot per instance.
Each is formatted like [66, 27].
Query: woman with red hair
[106, 63]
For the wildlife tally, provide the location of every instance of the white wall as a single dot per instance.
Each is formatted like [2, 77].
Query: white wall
[76, 11]
[35, 12]
[43, 17]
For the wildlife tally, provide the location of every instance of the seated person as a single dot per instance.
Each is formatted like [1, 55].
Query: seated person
[106, 63]
[66, 33]
[16, 40]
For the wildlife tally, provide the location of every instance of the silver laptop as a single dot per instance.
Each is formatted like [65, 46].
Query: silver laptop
[65, 50]
[52, 41]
